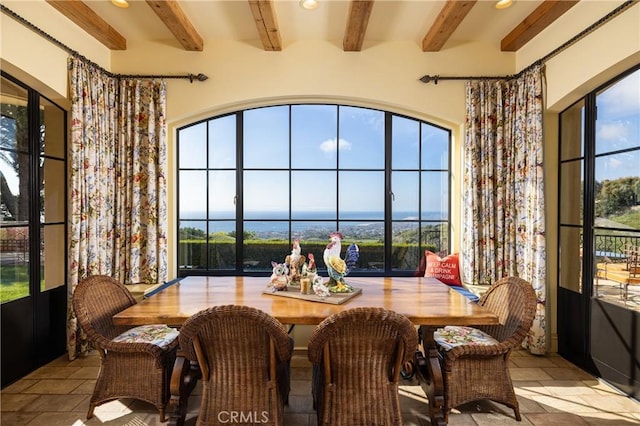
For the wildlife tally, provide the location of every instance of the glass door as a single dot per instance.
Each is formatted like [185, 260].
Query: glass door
[32, 229]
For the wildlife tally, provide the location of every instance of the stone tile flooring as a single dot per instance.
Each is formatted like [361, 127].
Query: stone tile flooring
[551, 391]
[612, 292]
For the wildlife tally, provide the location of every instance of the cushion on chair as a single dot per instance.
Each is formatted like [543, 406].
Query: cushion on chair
[451, 336]
[445, 269]
[156, 334]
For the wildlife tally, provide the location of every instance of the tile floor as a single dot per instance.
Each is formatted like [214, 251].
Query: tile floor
[611, 291]
[551, 391]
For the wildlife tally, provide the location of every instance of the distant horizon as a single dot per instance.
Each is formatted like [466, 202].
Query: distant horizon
[313, 215]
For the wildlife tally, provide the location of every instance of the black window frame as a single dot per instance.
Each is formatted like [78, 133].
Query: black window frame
[387, 221]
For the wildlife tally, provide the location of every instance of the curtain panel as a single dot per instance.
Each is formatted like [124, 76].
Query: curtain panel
[503, 194]
[117, 186]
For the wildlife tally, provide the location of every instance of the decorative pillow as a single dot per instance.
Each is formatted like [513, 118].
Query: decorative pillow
[156, 334]
[452, 335]
[445, 269]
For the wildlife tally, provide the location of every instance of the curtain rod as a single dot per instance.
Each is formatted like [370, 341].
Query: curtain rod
[574, 39]
[21, 20]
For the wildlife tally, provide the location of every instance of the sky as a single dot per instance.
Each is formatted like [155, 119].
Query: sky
[321, 140]
[618, 128]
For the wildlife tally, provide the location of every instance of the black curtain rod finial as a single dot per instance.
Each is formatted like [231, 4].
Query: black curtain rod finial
[429, 79]
[199, 77]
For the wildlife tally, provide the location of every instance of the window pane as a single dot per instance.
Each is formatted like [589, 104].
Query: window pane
[14, 256]
[222, 192]
[313, 136]
[405, 187]
[405, 140]
[435, 195]
[14, 125]
[266, 195]
[611, 256]
[361, 138]
[313, 195]
[52, 190]
[618, 123]
[435, 237]
[572, 182]
[369, 236]
[222, 245]
[570, 262]
[192, 201]
[571, 132]
[192, 144]
[192, 240]
[361, 195]
[435, 147]
[52, 257]
[12, 206]
[52, 122]
[617, 194]
[266, 138]
[18, 194]
[405, 248]
[222, 142]
[268, 243]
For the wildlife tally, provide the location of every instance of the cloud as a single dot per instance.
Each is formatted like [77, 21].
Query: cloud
[614, 131]
[330, 145]
[621, 99]
[614, 163]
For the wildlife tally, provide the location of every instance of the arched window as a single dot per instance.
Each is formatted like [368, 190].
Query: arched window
[253, 181]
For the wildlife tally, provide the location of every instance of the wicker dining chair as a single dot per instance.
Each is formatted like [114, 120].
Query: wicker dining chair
[357, 356]
[134, 362]
[244, 355]
[475, 361]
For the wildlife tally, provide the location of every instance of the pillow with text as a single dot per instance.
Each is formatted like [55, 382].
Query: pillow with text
[445, 269]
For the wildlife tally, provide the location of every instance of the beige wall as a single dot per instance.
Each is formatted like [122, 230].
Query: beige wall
[383, 75]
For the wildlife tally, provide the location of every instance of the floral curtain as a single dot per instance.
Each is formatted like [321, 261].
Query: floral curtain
[117, 206]
[503, 196]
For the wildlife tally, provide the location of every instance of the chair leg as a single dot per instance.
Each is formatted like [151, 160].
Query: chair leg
[90, 412]
[516, 411]
[162, 416]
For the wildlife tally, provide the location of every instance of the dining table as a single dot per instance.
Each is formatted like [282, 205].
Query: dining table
[426, 302]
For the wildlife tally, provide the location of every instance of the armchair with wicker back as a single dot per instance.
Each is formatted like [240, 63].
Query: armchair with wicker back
[475, 361]
[357, 356]
[134, 362]
[244, 355]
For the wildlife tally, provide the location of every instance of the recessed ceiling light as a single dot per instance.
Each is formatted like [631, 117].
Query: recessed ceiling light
[309, 4]
[503, 4]
[120, 3]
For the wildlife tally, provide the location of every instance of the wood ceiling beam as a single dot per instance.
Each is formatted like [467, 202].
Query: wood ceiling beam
[174, 18]
[264, 14]
[538, 20]
[451, 15]
[357, 21]
[84, 17]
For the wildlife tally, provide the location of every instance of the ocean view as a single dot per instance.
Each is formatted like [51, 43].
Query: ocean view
[309, 225]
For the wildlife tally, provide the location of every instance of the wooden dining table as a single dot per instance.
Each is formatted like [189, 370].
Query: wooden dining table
[426, 302]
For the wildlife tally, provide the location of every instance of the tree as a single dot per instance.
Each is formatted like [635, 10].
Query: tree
[192, 234]
[616, 196]
[246, 235]
[14, 136]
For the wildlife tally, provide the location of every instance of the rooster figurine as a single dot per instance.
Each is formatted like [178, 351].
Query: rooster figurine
[309, 269]
[337, 268]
